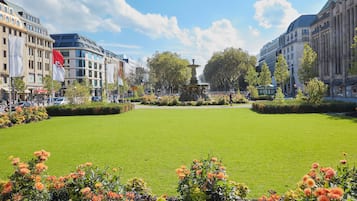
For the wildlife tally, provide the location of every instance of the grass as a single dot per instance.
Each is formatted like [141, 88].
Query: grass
[264, 151]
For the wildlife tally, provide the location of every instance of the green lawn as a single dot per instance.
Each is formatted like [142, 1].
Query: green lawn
[263, 151]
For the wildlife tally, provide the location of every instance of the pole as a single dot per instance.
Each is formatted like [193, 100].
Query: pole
[10, 83]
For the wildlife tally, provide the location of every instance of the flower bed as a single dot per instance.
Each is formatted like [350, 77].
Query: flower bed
[23, 115]
[204, 180]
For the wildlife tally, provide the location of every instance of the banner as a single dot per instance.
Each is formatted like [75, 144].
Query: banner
[58, 70]
[110, 73]
[16, 48]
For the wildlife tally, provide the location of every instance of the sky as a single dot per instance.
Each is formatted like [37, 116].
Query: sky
[194, 29]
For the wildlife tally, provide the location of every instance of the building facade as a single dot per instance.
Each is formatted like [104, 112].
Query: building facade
[268, 55]
[297, 34]
[332, 36]
[10, 24]
[37, 51]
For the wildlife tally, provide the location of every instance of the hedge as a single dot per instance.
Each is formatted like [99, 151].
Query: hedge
[326, 107]
[91, 109]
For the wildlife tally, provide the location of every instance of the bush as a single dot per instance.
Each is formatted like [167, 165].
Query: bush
[23, 115]
[296, 107]
[207, 180]
[89, 109]
[279, 96]
[315, 90]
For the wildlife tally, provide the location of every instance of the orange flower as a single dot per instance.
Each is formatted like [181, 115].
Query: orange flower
[336, 191]
[307, 192]
[310, 182]
[7, 188]
[263, 198]
[39, 186]
[23, 165]
[24, 171]
[98, 185]
[220, 175]
[315, 165]
[37, 178]
[113, 195]
[88, 164]
[15, 161]
[198, 172]
[40, 167]
[214, 159]
[42, 155]
[329, 174]
[305, 178]
[130, 195]
[17, 197]
[320, 191]
[323, 198]
[210, 175]
[97, 197]
[85, 190]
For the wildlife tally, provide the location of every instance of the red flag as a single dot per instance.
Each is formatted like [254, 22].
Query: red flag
[57, 67]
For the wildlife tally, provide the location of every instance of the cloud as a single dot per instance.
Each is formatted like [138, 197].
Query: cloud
[119, 45]
[274, 13]
[254, 31]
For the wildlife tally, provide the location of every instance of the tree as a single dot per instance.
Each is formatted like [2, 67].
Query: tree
[279, 96]
[315, 90]
[19, 84]
[51, 84]
[78, 93]
[265, 75]
[251, 78]
[281, 72]
[306, 71]
[168, 71]
[226, 70]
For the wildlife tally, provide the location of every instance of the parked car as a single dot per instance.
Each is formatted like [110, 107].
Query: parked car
[24, 104]
[60, 101]
[96, 98]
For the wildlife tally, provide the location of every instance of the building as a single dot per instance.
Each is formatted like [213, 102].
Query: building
[10, 24]
[83, 60]
[269, 54]
[297, 34]
[332, 36]
[39, 52]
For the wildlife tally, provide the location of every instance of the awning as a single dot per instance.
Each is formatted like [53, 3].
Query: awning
[40, 91]
[27, 91]
[5, 89]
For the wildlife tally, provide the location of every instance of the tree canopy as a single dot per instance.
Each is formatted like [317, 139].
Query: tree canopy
[306, 71]
[265, 75]
[51, 84]
[168, 71]
[281, 72]
[251, 78]
[226, 70]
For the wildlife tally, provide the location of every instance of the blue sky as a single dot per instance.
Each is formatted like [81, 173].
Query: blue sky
[191, 28]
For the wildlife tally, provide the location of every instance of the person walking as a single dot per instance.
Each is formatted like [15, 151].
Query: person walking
[231, 98]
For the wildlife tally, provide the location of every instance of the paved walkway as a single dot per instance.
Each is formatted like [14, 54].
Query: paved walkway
[140, 106]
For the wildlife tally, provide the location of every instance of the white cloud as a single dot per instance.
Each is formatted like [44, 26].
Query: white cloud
[254, 31]
[274, 13]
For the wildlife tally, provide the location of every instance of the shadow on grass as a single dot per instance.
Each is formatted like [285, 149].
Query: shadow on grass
[343, 116]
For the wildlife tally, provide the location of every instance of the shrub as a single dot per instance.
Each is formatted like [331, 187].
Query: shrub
[279, 96]
[296, 107]
[89, 109]
[315, 90]
[23, 115]
[207, 180]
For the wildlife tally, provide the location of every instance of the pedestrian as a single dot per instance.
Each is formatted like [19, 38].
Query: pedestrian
[230, 99]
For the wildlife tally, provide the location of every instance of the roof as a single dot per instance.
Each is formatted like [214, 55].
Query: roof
[75, 40]
[327, 5]
[302, 21]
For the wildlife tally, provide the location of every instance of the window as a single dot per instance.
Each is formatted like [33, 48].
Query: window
[4, 29]
[5, 67]
[9, 30]
[47, 67]
[4, 41]
[80, 63]
[5, 54]
[31, 78]
[39, 78]
[65, 53]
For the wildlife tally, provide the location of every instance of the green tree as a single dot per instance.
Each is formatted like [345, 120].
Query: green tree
[227, 69]
[19, 84]
[49, 84]
[316, 90]
[168, 71]
[265, 75]
[251, 78]
[279, 96]
[306, 71]
[353, 69]
[78, 93]
[281, 72]
[253, 91]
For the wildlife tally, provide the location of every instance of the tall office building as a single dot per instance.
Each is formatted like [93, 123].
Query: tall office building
[83, 59]
[332, 36]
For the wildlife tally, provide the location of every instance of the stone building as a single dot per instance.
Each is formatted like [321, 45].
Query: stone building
[331, 37]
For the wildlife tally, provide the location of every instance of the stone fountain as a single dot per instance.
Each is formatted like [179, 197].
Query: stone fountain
[193, 91]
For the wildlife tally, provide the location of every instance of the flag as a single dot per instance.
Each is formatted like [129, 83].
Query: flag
[16, 47]
[57, 67]
[110, 73]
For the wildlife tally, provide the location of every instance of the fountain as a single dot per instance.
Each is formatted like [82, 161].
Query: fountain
[193, 91]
